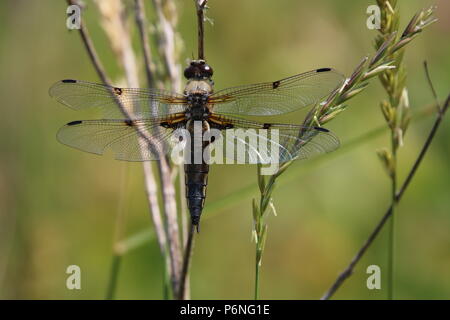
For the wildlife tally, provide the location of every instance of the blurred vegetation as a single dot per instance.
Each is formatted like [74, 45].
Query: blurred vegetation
[58, 205]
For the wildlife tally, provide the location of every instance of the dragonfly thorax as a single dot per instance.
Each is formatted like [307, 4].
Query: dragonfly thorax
[198, 109]
[198, 87]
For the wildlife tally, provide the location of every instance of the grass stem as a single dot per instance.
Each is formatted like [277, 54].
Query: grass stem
[186, 263]
[391, 244]
[348, 271]
[114, 275]
[257, 266]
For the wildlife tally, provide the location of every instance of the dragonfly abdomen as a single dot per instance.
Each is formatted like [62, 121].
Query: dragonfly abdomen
[196, 181]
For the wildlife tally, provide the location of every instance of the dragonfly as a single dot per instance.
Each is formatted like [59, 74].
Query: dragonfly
[140, 124]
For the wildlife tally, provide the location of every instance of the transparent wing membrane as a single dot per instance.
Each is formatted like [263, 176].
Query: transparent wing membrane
[131, 140]
[252, 142]
[278, 97]
[136, 103]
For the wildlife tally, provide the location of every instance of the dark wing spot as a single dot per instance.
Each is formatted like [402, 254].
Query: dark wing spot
[321, 129]
[129, 123]
[266, 125]
[213, 139]
[323, 70]
[118, 91]
[68, 81]
[275, 84]
[164, 124]
[73, 123]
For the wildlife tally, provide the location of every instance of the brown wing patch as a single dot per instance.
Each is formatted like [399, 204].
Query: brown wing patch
[218, 100]
[173, 100]
[220, 122]
[173, 120]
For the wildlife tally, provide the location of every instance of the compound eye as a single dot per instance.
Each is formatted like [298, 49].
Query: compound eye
[189, 72]
[208, 70]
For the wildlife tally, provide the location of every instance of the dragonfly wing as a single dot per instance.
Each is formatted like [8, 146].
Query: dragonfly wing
[254, 142]
[130, 140]
[117, 102]
[278, 97]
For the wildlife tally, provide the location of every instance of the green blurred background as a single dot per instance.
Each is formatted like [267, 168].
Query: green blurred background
[58, 205]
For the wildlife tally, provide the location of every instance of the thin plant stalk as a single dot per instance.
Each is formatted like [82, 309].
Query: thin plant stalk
[166, 35]
[256, 293]
[118, 33]
[164, 168]
[348, 271]
[168, 192]
[186, 263]
[141, 22]
[261, 209]
[167, 17]
[396, 110]
[200, 6]
[327, 110]
[114, 274]
[392, 228]
[394, 83]
[118, 234]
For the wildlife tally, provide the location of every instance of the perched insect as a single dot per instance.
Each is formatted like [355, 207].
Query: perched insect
[140, 124]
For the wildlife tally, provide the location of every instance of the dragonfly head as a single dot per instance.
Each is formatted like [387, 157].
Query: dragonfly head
[199, 75]
[198, 70]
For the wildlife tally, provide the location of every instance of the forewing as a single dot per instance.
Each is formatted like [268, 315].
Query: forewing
[254, 142]
[278, 97]
[131, 140]
[117, 103]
